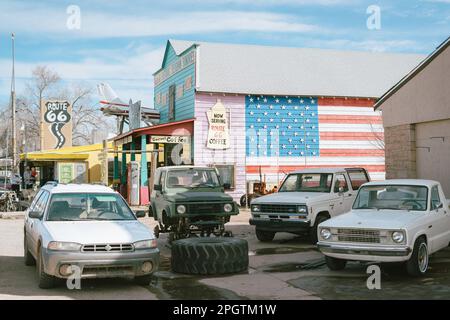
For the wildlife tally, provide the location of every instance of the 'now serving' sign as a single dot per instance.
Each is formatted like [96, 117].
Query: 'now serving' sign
[218, 131]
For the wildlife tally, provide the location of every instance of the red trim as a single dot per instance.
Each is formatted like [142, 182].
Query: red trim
[348, 102]
[281, 169]
[351, 135]
[161, 129]
[325, 118]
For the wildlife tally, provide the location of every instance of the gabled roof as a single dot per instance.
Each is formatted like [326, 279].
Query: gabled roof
[413, 73]
[265, 70]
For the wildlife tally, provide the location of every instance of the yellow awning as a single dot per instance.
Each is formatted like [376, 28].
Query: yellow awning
[47, 156]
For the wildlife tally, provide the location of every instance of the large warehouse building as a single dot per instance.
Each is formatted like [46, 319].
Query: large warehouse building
[259, 112]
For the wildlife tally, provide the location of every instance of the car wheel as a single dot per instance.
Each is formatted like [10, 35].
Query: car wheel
[143, 280]
[313, 230]
[417, 265]
[264, 236]
[45, 281]
[208, 256]
[335, 264]
[28, 257]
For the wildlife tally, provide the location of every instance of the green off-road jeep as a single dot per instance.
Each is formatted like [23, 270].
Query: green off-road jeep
[190, 200]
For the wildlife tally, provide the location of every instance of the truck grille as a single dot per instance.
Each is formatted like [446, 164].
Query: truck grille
[107, 247]
[205, 208]
[358, 235]
[278, 208]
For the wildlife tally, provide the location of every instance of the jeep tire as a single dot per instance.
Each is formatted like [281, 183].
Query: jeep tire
[264, 236]
[208, 256]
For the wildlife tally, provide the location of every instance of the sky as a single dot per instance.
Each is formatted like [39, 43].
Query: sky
[122, 42]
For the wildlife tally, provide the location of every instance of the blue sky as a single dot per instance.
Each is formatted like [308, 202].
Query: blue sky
[122, 42]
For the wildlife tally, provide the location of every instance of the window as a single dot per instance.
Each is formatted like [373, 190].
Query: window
[192, 178]
[435, 199]
[162, 180]
[227, 173]
[357, 177]
[340, 182]
[392, 197]
[35, 200]
[307, 182]
[41, 203]
[172, 90]
[92, 206]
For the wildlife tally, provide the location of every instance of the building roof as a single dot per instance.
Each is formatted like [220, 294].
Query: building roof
[265, 70]
[413, 73]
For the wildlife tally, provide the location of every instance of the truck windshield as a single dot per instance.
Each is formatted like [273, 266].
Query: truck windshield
[192, 178]
[86, 207]
[392, 197]
[307, 182]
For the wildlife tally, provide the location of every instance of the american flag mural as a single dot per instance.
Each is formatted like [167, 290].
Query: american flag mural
[294, 132]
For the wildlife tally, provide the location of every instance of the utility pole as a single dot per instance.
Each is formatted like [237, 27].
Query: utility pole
[13, 111]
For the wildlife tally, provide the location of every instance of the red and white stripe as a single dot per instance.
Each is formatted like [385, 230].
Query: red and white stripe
[351, 135]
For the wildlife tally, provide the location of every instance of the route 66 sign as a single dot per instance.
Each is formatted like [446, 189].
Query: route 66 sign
[56, 124]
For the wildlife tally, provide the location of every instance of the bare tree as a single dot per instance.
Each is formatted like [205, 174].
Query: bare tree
[46, 85]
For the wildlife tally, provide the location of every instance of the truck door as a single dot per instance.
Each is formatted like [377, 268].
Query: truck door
[341, 188]
[440, 231]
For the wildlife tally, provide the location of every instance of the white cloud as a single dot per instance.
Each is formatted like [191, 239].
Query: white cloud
[129, 71]
[51, 21]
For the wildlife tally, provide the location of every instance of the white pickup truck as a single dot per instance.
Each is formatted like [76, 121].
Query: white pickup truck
[391, 221]
[305, 199]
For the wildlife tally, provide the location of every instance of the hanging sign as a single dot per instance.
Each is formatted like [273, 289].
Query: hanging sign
[169, 139]
[218, 131]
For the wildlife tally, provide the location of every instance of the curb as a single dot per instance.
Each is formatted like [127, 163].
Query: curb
[12, 215]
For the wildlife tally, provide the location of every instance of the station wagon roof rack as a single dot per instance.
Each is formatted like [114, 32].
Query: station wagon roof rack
[53, 183]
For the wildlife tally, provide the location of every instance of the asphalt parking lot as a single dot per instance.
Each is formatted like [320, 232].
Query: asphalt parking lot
[287, 268]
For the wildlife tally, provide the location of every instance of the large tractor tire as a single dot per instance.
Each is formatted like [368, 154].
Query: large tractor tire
[208, 256]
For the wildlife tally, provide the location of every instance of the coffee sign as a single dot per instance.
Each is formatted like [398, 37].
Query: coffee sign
[169, 139]
[218, 131]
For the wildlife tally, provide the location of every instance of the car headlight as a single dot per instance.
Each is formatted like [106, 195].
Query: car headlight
[64, 246]
[325, 233]
[181, 209]
[145, 244]
[228, 207]
[256, 208]
[302, 209]
[398, 236]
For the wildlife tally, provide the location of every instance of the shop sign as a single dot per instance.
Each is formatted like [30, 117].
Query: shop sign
[218, 131]
[169, 139]
[56, 124]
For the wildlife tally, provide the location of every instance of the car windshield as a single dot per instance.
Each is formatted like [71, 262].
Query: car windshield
[392, 197]
[307, 182]
[192, 178]
[87, 207]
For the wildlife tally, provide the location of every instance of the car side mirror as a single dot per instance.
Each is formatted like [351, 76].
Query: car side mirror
[341, 190]
[439, 206]
[157, 187]
[226, 186]
[140, 214]
[35, 215]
